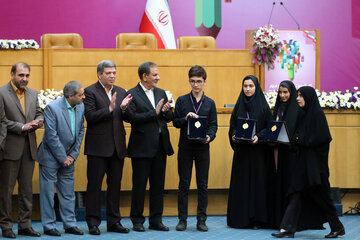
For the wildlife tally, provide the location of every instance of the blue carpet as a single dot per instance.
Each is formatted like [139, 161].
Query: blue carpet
[217, 230]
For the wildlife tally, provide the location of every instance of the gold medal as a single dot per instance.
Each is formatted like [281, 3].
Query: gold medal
[245, 126]
[197, 124]
[273, 129]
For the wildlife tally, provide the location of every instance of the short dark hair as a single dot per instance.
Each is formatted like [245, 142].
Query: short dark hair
[104, 64]
[71, 88]
[145, 67]
[15, 66]
[197, 71]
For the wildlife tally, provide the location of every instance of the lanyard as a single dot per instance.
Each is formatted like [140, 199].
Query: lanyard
[192, 101]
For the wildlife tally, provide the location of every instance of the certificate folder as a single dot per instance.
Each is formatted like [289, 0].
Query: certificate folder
[245, 129]
[197, 128]
[277, 132]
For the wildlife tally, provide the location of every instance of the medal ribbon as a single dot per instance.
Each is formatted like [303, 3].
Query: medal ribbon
[248, 117]
[192, 101]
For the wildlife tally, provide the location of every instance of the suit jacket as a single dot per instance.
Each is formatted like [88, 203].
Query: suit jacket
[3, 128]
[105, 131]
[145, 125]
[58, 140]
[16, 118]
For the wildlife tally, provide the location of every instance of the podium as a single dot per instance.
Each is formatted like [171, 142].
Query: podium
[303, 59]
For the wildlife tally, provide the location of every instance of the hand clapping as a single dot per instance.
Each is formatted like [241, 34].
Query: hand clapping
[125, 102]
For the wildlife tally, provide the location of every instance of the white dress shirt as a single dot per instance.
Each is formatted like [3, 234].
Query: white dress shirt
[149, 94]
[108, 93]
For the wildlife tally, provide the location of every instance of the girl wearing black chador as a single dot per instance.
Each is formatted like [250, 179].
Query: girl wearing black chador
[287, 109]
[247, 205]
[310, 178]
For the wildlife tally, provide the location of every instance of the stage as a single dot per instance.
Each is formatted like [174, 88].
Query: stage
[217, 230]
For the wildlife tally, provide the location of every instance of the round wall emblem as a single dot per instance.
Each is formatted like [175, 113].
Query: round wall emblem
[163, 18]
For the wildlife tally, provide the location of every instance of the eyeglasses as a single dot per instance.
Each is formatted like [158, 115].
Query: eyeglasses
[198, 82]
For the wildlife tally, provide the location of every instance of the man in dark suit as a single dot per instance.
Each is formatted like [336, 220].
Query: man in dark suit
[24, 116]
[60, 147]
[148, 146]
[106, 105]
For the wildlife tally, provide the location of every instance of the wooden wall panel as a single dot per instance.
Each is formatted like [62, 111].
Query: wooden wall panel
[225, 68]
[35, 80]
[91, 57]
[32, 57]
[343, 158]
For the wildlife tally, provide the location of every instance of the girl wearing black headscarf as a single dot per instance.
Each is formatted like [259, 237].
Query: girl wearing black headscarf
[286, 109]
[247, 206]
[310, 178]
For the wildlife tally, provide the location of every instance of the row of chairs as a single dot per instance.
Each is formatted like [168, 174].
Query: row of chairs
[126, 41]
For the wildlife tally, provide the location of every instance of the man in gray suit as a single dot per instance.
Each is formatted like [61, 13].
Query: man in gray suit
[60, 146]
[24, 116]
[3, 129]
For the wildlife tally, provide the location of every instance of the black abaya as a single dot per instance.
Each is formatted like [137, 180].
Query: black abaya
[279, 178]
[286, 164]
[310, 179]
[247, 205]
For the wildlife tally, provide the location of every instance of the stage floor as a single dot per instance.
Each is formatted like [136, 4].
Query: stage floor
[217, 230]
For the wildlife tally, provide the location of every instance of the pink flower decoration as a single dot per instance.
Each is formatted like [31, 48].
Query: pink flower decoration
[266, 46]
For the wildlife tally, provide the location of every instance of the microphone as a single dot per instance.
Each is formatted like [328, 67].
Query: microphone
[271, 12]
[282, 4]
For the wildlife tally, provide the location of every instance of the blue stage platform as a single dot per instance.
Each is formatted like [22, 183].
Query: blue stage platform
[217, 230]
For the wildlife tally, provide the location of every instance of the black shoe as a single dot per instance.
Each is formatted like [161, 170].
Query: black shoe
[138, 227]
[8, 233]
[181, 226]
[336, 234]
[74, 230]
[158, 227]
[283, 234]
[117, 227]
[53, 232]
[94, 230]
[201, 226]
[29, 232]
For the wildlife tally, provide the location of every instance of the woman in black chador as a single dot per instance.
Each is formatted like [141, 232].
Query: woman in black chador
[310, 178]
[287, 109]
[247, 206]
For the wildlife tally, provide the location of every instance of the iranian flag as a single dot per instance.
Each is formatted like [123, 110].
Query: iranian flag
[157, 20]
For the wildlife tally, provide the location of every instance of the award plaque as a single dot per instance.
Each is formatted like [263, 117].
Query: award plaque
[245, 129]
[197, 128]
[277, 132]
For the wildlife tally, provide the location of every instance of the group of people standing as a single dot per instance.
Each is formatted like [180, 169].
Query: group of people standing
[283, 186]
[105, 107]
[272, 186]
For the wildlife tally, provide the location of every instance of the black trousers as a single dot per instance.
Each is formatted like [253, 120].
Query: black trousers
[96, 169]
[320, 196]
[185, 164]
[154, 170]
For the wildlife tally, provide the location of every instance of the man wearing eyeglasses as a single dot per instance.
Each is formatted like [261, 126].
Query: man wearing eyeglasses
[194, 105]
